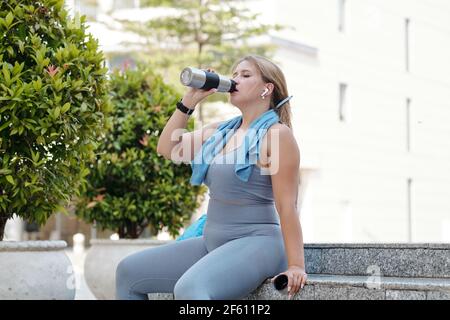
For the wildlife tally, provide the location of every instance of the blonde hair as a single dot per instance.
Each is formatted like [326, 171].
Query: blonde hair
[270, 72]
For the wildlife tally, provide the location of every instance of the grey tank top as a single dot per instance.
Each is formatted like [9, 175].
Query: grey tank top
[225, 186]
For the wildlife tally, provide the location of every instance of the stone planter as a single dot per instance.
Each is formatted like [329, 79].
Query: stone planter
[103, 258]
[37, 270]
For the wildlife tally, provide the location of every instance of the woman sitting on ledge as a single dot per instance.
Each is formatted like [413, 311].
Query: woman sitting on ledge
[252, 231]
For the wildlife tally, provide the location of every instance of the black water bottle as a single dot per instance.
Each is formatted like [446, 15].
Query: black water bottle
[202, 79]
[280, 282]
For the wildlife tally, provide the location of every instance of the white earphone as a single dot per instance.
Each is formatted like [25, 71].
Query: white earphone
[264, 93]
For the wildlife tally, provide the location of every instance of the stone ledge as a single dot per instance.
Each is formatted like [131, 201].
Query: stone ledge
[384, 260]
[372, 282]
[44, 245]
[368, 271]
[126, 242]
[338, 287]
[382, 245]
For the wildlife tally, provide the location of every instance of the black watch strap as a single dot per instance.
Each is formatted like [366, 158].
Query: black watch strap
[184, 109]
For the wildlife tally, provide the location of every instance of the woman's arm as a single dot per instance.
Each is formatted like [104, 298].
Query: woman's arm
[174, 136]
[177, 121]
[285, 167]
[285, 163]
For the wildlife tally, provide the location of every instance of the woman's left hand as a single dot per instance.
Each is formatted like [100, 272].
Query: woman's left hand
[296, 279]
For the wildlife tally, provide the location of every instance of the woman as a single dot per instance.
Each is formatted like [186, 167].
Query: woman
[252, 231]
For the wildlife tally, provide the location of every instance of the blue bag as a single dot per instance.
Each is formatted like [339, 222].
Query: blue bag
[194, 230]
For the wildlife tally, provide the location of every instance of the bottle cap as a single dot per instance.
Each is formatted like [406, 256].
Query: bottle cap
[280, 282]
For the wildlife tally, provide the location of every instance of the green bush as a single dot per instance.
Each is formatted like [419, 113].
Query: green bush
[131, 187]
[53, 102]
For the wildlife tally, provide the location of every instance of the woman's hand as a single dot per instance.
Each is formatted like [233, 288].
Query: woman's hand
[194, 95]
[296, 279]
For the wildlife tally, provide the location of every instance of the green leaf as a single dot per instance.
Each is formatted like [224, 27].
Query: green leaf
[84, 172]
[30, 121]
[77, 84]
[21, 46]
[6, 73]
[5, 171]
[58, 85]
[7, 89]
[65, 107]
[18, 93]
[5, 159]
[34, 156]
[9, 19]
[37, 84]
[57, 112]
[10, 180]
[5, 125]
[10, 51]
[18, 68]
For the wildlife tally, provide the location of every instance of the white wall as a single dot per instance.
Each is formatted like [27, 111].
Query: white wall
[360, 193]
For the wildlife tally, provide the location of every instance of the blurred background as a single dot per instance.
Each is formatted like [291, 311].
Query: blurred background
[371, 106]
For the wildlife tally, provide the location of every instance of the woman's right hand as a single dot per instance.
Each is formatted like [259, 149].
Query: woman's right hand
[194, 95]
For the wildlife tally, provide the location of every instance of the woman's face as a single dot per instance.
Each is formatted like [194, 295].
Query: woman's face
[248, 83]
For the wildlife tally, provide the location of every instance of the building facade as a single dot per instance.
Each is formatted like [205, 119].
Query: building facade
[371, 108]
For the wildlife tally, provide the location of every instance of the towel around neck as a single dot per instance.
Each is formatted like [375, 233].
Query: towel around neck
[248, 153]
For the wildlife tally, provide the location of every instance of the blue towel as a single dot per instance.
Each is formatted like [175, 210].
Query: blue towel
[246, 153]
[194, 230]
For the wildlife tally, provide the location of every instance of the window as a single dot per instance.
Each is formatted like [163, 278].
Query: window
[407, 45]
[408, 124]
[342, 102]
[409, 182]
[341, 15]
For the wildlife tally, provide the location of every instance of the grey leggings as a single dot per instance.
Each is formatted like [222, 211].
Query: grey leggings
[228, 270]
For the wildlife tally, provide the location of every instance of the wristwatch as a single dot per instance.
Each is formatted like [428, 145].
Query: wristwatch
[184, 109]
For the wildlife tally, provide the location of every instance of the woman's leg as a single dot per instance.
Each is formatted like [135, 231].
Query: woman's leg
[233, 270]
[156, 269]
